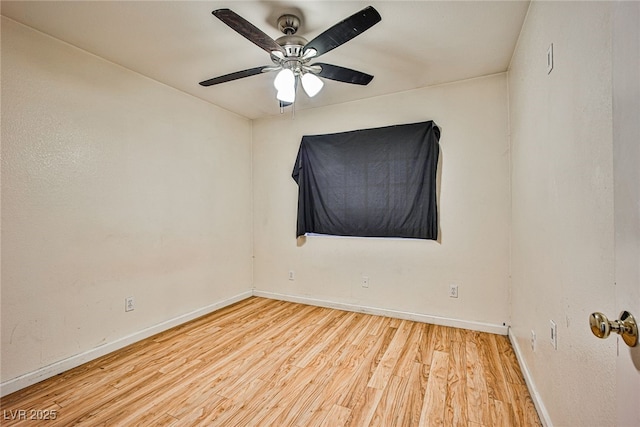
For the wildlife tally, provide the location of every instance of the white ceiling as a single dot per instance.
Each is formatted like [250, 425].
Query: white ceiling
[180, 43]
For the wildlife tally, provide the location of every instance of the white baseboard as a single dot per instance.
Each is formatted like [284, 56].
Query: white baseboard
[417, 317]
[533, 391]
[56, 368]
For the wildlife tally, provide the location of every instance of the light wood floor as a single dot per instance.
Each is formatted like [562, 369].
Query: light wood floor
[272, 363]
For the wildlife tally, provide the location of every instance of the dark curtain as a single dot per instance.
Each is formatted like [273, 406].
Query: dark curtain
[372, 183]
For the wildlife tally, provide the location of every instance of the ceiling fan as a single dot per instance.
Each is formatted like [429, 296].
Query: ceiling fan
[292, 53]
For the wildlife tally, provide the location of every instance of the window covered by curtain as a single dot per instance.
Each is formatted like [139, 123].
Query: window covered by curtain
[372, 183]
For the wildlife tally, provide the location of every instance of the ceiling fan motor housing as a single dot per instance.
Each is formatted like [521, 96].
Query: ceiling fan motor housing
[292, 45]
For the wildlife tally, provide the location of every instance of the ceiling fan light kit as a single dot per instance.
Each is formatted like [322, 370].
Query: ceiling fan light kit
[311, 84]
[285, 84]
[292, 53]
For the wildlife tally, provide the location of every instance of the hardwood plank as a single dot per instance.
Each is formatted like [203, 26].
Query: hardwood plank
[292, 343]
[458, 335]
[117, 411]
[241, 404]
[326, 365]
[477, 396]
[276, 399]
[262, 362]
[442, 337]
[492, 367]
[524, 411]
[195, 404]
[388, 362]
[379, 326]
[221, 368]
[426, 346]
[502, 414]
[212, 376]
[324, 338]
[310, 396]
[391, 409]
[365, 408]
[508, 360]
[313, 401]
[252, 360]
[334, 380]
[366, 369]
[432, 413]
[239, 310]
[414, 392]
[163, 420]
[409, 352]
[337, 417]
[456, 400]
[348, 381]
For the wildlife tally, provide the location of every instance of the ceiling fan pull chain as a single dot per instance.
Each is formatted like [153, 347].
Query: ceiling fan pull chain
[293, 110]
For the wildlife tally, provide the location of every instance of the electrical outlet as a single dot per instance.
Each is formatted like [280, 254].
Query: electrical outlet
[453, 291]
[365, 281]
[129, 304]
[292, 275]
[553, 334]
[533, 340]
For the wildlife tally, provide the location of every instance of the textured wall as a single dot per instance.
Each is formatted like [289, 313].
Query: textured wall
[406, 275]
[562, 206]
[113, 185]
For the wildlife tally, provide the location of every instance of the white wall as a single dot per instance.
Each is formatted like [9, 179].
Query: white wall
[562, 207]
[406, 275]
[113, 185]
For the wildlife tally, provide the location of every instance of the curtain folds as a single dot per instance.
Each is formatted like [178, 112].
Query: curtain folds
[377, 182]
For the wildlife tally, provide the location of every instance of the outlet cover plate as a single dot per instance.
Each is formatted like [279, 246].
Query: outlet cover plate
[553, 337]
[533, 340]
[453, 290]
[129, 304]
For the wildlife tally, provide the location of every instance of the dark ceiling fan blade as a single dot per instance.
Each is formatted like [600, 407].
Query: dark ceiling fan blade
[247, 30]
[344, 31]
[341, 74]
[234, 76]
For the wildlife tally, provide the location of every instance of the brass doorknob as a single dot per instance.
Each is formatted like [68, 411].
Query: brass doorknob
[625, 326]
